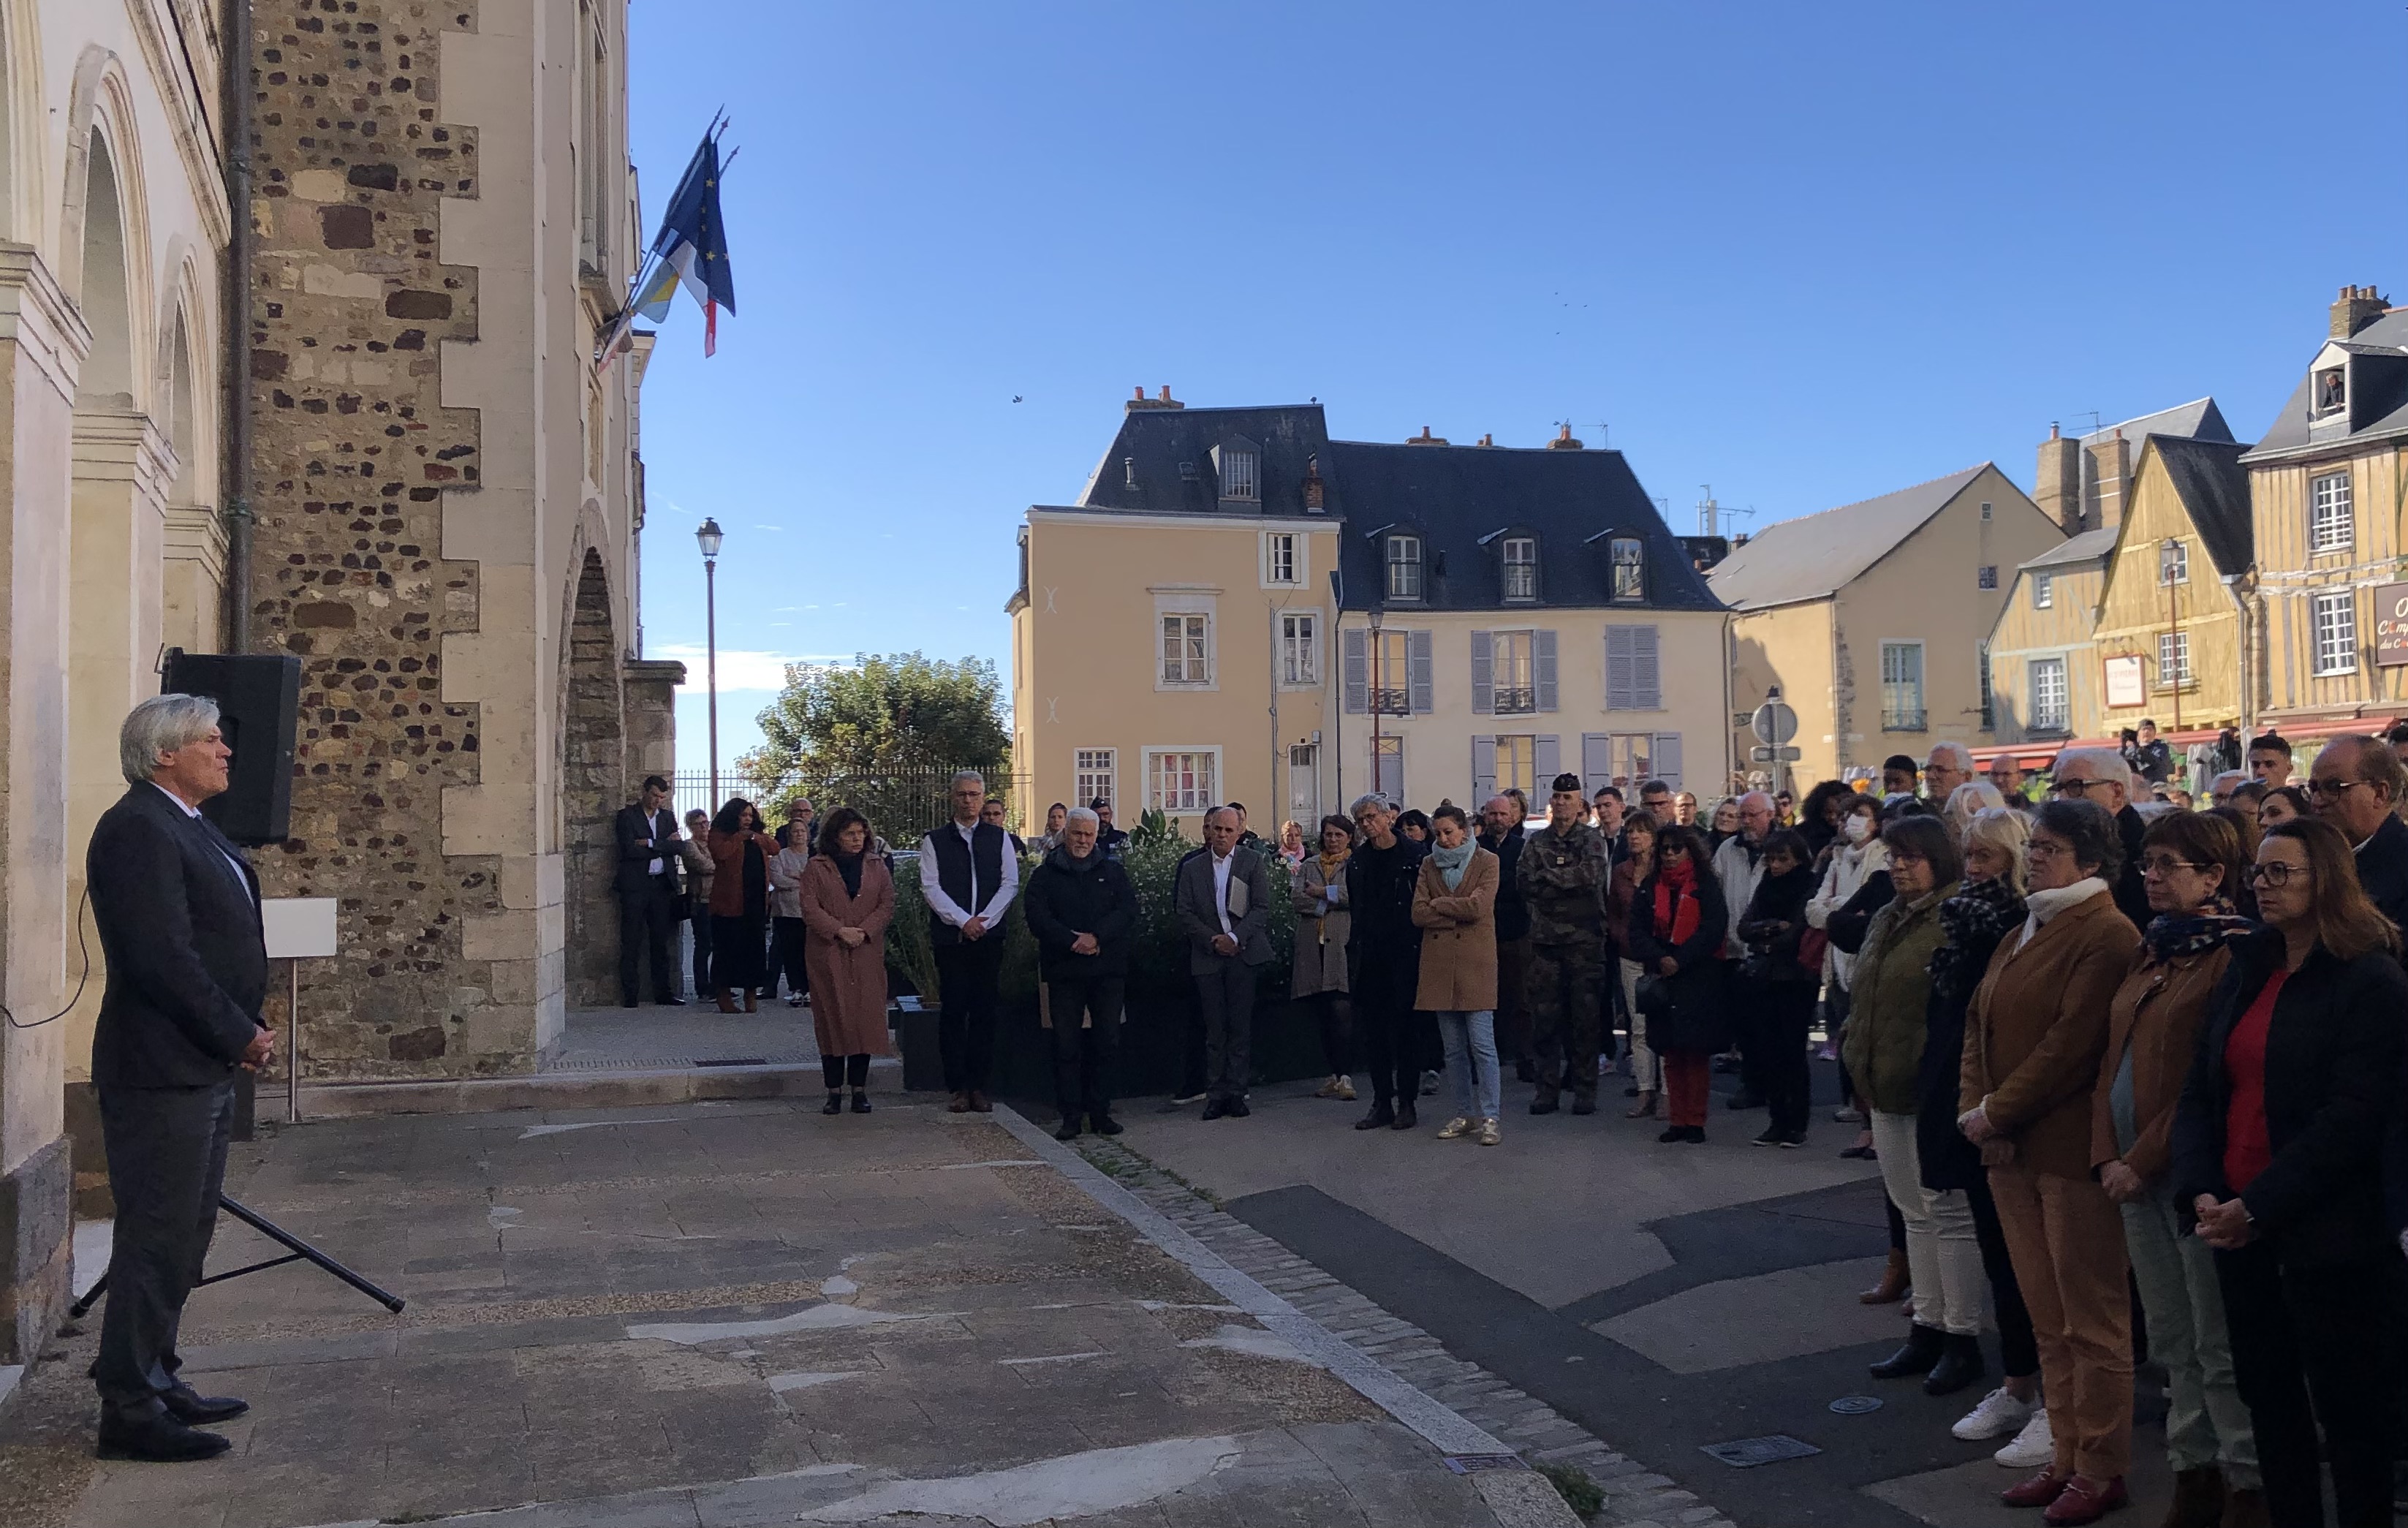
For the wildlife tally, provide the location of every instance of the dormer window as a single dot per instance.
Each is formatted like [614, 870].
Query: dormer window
[2331, 391]
[1239, 465]
[1520, 558]
[1404, 559]
[1630, 558]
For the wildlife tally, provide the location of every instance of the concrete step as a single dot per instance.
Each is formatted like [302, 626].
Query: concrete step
[594, 1090]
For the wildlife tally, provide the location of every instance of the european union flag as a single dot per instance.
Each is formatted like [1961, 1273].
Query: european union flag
[690, 251]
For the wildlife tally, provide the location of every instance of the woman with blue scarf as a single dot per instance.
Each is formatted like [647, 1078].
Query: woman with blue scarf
[1455, 905]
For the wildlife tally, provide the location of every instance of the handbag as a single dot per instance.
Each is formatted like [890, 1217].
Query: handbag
[1653, 996]
[1810, 946]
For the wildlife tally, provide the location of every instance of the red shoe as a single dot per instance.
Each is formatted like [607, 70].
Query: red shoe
[2082, 1502]
[2039, 1491]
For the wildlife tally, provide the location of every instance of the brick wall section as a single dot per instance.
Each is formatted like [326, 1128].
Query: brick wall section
[593, 787]
[354, 453]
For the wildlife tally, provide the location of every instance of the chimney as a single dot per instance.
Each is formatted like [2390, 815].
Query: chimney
[1313, 489]
[1166, 401]
[1564, 441]
[2354, 308]
[1426, 438]
[2110, 465]
[1489, 440]
[2057, 489]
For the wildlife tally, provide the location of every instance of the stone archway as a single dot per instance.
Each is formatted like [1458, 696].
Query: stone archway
[593, 762]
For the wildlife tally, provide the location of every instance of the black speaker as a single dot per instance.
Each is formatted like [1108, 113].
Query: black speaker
[259, 706]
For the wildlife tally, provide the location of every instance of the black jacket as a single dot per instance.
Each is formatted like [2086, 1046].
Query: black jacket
[1947, 1159]
[1848, 925]
[1699, 1017]
[2132, 892]
[1067, 898]
[2333, 1078]
[1513, 913]
[1779, 900]
[187, 962]
[2383, 870]
[635, 872]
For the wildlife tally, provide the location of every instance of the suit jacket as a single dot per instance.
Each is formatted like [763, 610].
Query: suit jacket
[635, 860]
[2036, 1029]
[1249, 882]
[179, 931]
[2383, 870]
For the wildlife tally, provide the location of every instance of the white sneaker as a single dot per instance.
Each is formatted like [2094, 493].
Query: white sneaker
[2034, 1448]
[1998, 1414]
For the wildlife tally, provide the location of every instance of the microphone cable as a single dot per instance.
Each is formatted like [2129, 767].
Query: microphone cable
[81, 949]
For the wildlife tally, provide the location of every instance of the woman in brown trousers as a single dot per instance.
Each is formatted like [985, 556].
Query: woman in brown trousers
[2033, 1037]
[739, 904]
[848, 900]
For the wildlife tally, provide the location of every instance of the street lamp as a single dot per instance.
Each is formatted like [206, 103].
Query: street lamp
[707, 536]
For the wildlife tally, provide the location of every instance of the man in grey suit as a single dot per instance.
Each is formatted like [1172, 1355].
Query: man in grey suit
[1223, 900]
[177, 910]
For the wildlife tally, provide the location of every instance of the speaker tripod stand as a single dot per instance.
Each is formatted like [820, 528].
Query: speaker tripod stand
[297, 1250]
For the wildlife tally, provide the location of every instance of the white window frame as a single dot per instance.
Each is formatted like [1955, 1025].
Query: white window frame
[1090, 766]
[1526, 745]
[1615, 563]
[1392, 565]
[1291, 546]
[1522, 569]
[1241, 475]
[1196, 626]
[1304, 644]
[1922, 708]
[1628, 764]
[2043, 591]
[1500, 644]
[1187, 600]
[2332, 516]
[2333, 628]
[2173, 659]
[2173, 562]
[2049, 713]
[1207, 796]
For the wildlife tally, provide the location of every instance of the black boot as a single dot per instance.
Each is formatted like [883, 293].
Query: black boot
[1068, 1129]
[1406, 1119]
[1921, 1352]
[860, 1101]
[835, 1102]
[1959, 1365]
[1382, 1115]
[1545, 1102]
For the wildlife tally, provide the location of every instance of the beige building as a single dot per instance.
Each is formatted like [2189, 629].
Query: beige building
[442, 500]
[1238, 607]
[1870, 619]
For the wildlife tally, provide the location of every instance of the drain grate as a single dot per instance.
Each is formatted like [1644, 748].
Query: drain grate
[1856, 1406]
[736, 1061]
[1747, 1453]
[1475, 1464]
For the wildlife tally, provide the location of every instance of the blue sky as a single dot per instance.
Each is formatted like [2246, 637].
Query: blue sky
[1805, 254]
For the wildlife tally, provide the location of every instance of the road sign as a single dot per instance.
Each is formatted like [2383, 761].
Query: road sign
[1774, 724]
[1767, 755]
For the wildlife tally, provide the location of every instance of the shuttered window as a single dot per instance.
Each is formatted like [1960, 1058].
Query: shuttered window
[1632, 679]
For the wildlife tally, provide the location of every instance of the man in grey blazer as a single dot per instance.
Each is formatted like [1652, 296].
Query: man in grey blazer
[177, 910]
[1224, 901]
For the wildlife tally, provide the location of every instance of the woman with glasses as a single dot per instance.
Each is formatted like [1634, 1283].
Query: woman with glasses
[2033, 1036]
[2191, 862]
[2278, 1154]
[1678, 922]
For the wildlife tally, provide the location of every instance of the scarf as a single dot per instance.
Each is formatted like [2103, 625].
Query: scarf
[1676, 903]
[1333, 866]
[2173, 936]
[2043, 905]
[1451, 862]
[1974, 920]
[849, 866]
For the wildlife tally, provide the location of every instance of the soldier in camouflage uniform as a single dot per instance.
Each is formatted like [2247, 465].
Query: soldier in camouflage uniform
[1564, 878]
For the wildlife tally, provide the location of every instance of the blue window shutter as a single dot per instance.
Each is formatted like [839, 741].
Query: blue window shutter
[1358, 673]
[1621, 693]
[1484, 770]
[1597, 761]
[1543, 665]
[1647, 690]
[1417, 671]
[1668, 759]
[1546, 761]
[1484, 675]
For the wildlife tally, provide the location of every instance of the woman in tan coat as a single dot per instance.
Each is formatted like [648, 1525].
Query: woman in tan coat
[848, 900]
[1324, 922]
[2033, 1038]
[1455, 905]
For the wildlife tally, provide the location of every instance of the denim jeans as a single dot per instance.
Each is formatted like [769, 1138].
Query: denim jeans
[1471, 1059]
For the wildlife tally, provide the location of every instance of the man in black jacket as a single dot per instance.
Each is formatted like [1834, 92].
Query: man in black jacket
[1082, 909]
[2356, 785]
[2102, 777]
[1384, 956]
[1499, 824]
[177, 910]
[647, 884]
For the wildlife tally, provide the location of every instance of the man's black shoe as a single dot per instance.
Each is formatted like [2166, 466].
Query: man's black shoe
[1406, 1119]
[1544, 1103]
[1380, 1118]
[191, 1408]
[1238, 1109]
[629, 1002]
[668, 1002]
[160, 1440]
[1744, 1099]
[1582, 1104]
[1068, 1129]
[1215, 1108]
[1103, 1124]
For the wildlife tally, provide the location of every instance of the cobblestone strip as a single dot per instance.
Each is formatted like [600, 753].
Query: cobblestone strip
[1635, 1496]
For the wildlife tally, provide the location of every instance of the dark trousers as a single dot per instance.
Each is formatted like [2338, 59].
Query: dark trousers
[1789, 1012]
[166, 1150]
[1385, 1022]
[786, 954]
[967, 973]
[1835, 1024]
[2310, 1346]
[1512, 1014]
[1748, 1031]
[836, 1070]
[1335, 1010]
[1225, 1001]
[2018, 1348]
[1085, 1013]
[700, 923]
[1565, 995]
[648, 927]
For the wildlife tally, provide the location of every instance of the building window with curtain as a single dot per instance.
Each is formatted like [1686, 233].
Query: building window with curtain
[1185, 650]
[1404, 566]
[1521, 562]
[1300, 660]
[1902, 687]
[1279, 564]
[1517, 764]
[1179, 781]
[2045, 679]
[1392, 673]
[1516, 688]
[1629, 558]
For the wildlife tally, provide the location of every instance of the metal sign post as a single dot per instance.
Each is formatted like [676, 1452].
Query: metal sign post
[296, 929]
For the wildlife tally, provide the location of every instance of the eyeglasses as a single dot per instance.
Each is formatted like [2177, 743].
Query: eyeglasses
[2275, 872]
[2331, 791]
[2163, 865]
[2077, 788]
[2041, 848]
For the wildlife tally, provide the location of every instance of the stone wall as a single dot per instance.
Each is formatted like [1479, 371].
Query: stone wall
[592, 790]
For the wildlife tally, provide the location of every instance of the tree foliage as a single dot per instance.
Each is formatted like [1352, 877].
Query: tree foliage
[884, 715]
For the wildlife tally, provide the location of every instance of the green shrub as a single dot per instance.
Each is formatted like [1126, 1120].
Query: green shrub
[1578, 1491]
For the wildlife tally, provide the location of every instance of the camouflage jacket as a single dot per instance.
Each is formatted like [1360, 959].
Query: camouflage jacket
[1564, 878]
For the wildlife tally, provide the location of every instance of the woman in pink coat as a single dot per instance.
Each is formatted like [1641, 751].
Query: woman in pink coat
[848, 900]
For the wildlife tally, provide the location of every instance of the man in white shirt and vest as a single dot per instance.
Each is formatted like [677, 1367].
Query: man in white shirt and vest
[968, 875]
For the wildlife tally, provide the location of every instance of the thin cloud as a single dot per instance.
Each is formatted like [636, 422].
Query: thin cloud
[740, 668]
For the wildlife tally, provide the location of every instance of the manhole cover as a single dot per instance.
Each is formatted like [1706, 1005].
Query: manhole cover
[1747, 1453]
[737, 1060]
[1474, 1463]
[1856, 1406]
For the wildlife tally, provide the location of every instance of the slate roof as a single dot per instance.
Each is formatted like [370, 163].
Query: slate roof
[1152, 443]
[2379, 380]
[1815, 555]
[2091, 546]
[2215, 490]
[1573, 501]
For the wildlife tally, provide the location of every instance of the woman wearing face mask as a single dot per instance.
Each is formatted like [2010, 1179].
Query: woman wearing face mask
[1773, 926]
[1856, 856]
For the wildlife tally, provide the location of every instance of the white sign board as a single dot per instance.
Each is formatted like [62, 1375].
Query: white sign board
[298, 928]
[2127, 682]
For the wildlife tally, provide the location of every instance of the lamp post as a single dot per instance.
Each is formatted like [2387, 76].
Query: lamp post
[707, 536]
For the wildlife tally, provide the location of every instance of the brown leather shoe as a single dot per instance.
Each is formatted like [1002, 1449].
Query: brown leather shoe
[751, 1000]
[2245, 1509]
[2036, 1491]
[960, 1104]
[1893, 1286]
[2086, 1501]
[726, 1001]
[2198, 1499]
